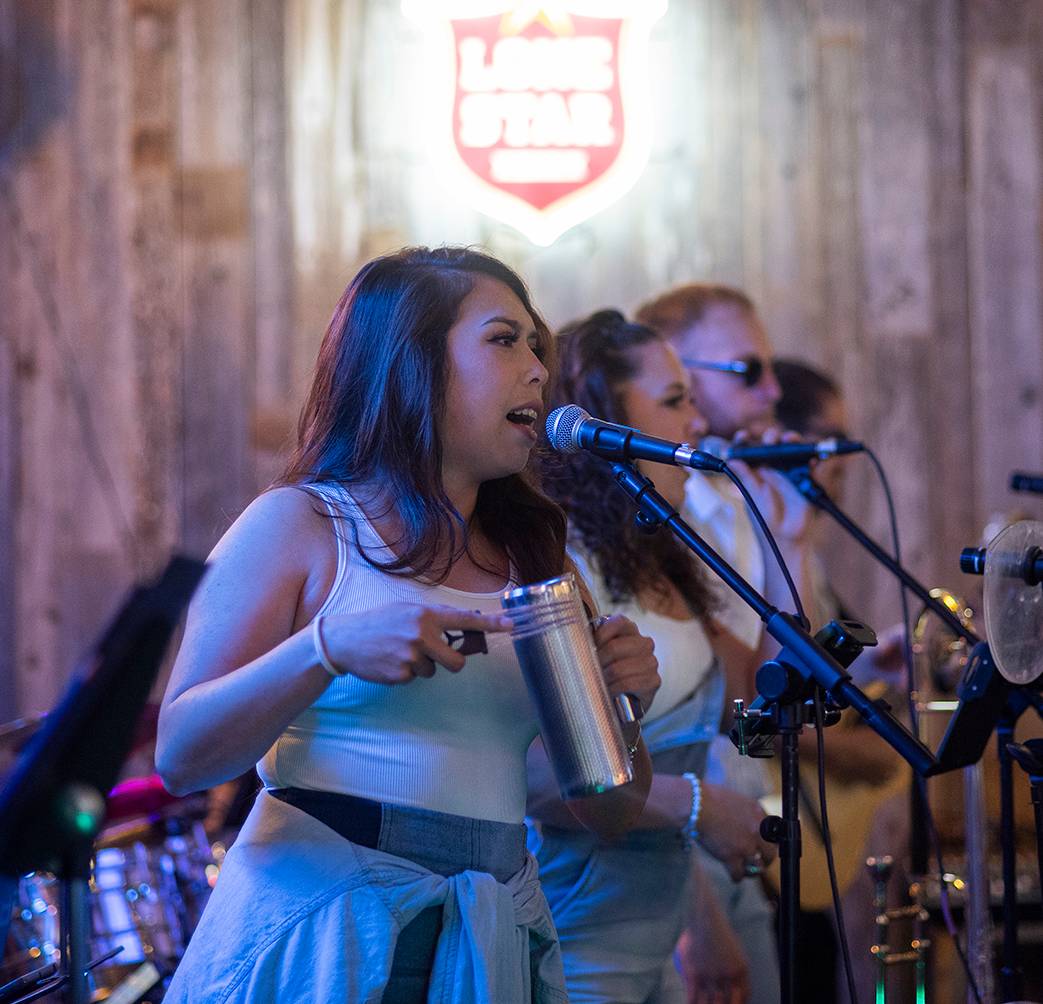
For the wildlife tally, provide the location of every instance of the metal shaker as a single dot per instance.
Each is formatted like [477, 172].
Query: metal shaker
[559, 662]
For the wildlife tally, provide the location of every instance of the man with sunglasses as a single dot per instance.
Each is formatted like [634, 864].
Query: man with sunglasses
[725, 348]
[726, 351]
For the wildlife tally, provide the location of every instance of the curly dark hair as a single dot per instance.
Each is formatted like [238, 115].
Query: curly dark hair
[596, 356]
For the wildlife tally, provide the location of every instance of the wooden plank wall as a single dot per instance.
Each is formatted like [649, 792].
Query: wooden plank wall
[187, 185]
[145, 302]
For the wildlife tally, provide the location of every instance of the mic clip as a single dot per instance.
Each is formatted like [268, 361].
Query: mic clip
[780, 687]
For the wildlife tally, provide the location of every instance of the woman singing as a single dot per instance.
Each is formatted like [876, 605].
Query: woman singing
[348, 638]
[621, 907]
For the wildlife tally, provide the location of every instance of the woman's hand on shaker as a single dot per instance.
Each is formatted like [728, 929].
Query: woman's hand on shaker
[729, 828]
[398, 643]
[627, 659]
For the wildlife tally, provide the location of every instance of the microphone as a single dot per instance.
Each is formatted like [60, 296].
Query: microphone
[571, 429]
[781, 456]
[1022, 482]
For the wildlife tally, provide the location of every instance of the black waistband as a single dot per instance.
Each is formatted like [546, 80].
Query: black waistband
[444, 843]
[356, 819]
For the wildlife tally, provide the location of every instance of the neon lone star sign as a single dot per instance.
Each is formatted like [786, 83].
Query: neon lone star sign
[542, 109]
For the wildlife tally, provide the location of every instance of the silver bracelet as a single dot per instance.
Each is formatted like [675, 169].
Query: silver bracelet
[690, 831]
[320, 648]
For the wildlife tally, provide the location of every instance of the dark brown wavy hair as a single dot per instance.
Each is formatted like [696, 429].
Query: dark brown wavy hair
[377, 399]
[596, 357]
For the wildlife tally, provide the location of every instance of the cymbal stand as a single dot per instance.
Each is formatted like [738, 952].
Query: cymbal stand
[1029, 756]
[1001, 704]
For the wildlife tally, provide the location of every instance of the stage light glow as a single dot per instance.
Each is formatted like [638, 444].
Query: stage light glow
[540, 112]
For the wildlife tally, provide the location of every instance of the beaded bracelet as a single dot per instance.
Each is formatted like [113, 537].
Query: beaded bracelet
[320, 648]
[690, 832]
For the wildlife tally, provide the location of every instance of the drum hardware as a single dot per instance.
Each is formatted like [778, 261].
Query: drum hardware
[150, 880]
[880, 871]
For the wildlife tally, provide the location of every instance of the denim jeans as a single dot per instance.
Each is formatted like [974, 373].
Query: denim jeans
[619, 908]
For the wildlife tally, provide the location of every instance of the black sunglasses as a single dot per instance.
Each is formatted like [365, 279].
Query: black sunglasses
[750, 368]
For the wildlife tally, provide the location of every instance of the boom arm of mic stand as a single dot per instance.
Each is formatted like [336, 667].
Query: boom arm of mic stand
[819, 497]
[812, 660]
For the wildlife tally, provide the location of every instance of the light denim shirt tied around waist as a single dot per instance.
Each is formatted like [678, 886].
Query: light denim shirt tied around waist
[301, 914]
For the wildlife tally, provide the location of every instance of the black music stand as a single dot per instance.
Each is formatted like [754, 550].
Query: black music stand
[53, 805]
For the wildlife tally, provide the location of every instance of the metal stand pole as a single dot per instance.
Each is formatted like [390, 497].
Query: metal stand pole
[1030, 756]
[789, 855]
[76, 924]
[1010, 965]
[979, 919]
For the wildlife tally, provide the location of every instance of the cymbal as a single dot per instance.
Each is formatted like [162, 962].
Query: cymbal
[1013, 602]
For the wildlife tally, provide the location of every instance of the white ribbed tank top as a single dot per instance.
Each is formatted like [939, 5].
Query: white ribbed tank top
[686, 657]
[452, 743]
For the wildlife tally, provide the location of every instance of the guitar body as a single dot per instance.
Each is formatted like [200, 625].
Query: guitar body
[852, 808]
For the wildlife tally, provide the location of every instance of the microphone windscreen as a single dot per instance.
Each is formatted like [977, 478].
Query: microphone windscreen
[562, 424]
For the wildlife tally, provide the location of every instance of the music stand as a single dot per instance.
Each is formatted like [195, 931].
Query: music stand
[53, 805]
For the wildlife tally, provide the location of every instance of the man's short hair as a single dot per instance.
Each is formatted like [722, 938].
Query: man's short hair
[676, 310]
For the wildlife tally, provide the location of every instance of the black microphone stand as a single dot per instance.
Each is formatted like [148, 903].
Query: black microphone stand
[818, 497]
[1001, 705]
[803, 663]
[1029, 756]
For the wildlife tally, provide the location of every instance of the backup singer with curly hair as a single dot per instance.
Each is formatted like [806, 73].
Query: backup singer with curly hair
[597, 360]
[620, 908]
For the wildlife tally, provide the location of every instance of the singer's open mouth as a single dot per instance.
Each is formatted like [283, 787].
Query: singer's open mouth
[523, 416]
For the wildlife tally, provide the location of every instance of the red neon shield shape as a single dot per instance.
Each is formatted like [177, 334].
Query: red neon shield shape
[548, 114]
[542, 142]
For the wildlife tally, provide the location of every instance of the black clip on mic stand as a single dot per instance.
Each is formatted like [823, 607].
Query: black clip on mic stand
[987, 703]
[803, 663]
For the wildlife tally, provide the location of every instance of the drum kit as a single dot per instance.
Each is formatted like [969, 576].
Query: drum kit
[154, 866]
